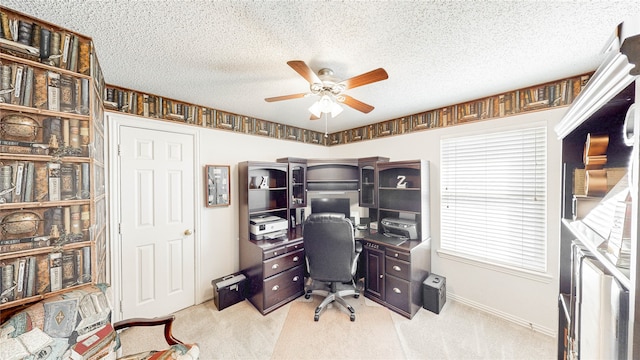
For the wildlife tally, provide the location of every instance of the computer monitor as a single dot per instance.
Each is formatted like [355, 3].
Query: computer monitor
[333, 205]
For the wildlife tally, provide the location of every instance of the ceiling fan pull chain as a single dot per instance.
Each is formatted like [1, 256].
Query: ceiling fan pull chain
[325, 126]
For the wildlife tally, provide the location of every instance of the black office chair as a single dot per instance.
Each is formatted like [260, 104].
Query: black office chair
[332, 259]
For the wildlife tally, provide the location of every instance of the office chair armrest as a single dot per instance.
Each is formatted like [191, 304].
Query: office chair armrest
[358, 247]
[167, 321]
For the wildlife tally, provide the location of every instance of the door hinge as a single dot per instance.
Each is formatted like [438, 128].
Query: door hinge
[118, 149]
[119, 228]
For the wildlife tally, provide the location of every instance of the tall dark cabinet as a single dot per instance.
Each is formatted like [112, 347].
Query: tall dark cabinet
[403, 191]
[598, 302]
[274, 267]
[395, 268]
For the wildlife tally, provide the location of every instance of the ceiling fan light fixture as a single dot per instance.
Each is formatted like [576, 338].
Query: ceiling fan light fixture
[325, 105]
[315, 109]
[335, 109]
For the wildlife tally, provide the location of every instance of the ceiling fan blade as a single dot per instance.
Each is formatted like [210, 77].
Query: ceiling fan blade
[285, 97]
[313, 117]
[366, 78]
[357, 104]
[305, 71]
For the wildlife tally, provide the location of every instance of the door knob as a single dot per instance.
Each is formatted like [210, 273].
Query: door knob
[188, 232]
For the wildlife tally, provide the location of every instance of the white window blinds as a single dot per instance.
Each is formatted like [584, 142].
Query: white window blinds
[493, 189]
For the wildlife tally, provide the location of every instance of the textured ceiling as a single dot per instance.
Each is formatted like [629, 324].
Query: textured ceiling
[230, 55]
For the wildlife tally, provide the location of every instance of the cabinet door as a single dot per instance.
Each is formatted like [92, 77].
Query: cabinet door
[368, 189]
[297, 185]
[374, 279]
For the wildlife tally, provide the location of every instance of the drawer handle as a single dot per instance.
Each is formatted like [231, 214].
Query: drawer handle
[381, 276]
[275, 288]
[275, 253]
[275, 266]
[397, 291]
[395, 255]
[296, 278]
[396, 268]
[295, 259]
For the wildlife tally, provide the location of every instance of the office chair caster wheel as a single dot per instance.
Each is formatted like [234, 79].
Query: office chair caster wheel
[355, 296]
[352, 317]
[317, 317]
[307, 296]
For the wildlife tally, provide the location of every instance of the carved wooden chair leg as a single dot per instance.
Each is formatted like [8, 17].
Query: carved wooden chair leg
[167, 321]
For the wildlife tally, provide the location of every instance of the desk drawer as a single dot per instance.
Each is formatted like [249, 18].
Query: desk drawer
[397, 293]
[398, 255]
[284, 285]
[294, 247]
[401, 269]
[281, 263]
[271, 253]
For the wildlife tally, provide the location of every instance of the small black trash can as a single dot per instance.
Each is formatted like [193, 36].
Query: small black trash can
[434, 293]
[228, 290]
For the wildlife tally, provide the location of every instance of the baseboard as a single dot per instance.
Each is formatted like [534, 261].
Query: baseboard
[514, 319]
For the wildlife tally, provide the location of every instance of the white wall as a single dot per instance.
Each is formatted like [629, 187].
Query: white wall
[523, 298]
[518, 297]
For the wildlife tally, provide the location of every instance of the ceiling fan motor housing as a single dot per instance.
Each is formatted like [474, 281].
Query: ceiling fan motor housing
[329, 85]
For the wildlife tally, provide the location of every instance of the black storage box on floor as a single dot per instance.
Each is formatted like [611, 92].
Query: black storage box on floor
[228, 290]
[434, 293]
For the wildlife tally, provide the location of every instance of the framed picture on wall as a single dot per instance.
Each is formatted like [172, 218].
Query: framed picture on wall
[217, 185]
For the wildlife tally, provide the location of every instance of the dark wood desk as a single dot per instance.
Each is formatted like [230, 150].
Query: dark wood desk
[393, 273]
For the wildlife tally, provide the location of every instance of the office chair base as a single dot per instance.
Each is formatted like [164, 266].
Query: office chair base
[334, 297]
[331, 297]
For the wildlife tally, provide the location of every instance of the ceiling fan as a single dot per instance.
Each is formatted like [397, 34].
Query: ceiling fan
[330, 89]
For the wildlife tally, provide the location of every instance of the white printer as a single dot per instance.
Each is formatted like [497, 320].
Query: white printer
[267, 227]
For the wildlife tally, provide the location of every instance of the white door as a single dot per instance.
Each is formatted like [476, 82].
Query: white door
[157, 222]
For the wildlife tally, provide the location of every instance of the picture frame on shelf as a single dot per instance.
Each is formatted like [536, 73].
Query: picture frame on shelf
[217, 185]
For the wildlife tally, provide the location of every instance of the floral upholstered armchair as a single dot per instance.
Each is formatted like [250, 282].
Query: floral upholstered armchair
[77, 325]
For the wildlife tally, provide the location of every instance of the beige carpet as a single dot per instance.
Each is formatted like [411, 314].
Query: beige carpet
[241, 332]
[303, 338]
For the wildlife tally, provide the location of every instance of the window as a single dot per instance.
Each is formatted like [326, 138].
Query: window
[493, 197]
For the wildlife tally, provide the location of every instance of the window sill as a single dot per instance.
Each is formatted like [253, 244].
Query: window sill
[531, 275]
